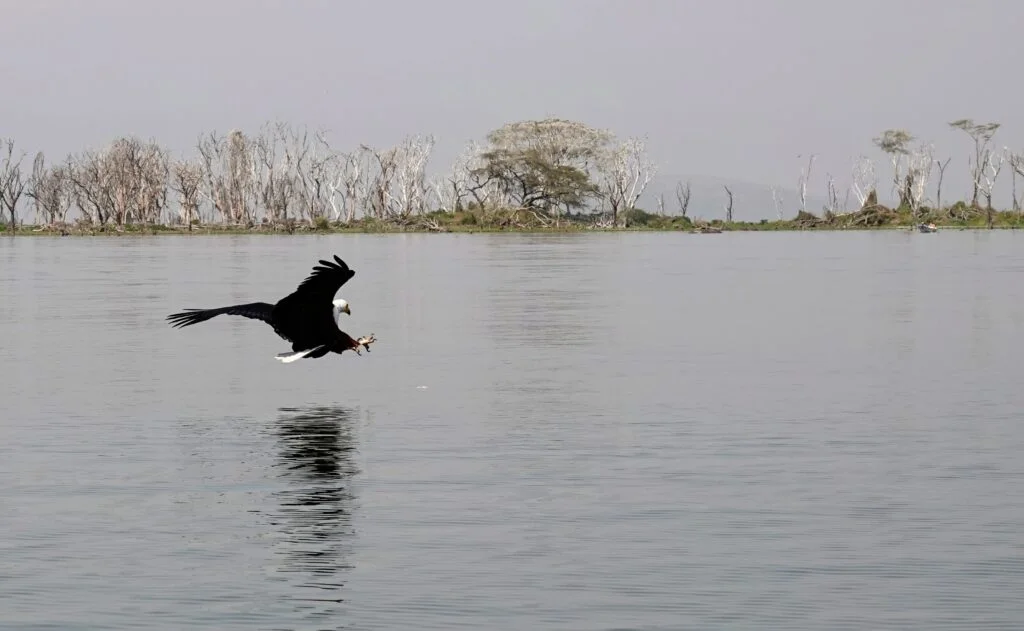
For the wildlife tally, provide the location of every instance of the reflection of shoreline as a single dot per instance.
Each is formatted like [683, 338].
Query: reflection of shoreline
[315, 457]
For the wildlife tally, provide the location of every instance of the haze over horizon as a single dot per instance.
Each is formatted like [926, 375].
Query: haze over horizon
[736, 89]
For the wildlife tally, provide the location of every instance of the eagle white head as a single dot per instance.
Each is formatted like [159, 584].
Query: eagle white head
[340, 307]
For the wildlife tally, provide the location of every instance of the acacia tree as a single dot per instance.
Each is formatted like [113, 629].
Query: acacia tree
[486, 192]
[12, 183]
[894, 142]
[981, 134]
[544, 165]
[532, 182]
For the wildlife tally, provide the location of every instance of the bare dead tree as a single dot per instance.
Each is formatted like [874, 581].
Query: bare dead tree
[683, 197]
[993, 166]
[410, 162]
[864, 180]
[625, 171]
[453, 188]
[805, 174]
[133, 178]
[187, 180]
[352, 183]
[119, 179]
[298, 161]
[126, 182]
[311, 166]
[1016, 161]
[211, 153]
[50, 190]
[728, 205]
[274, 178]
[230, 176]
[831, 196]
[12, 183]
[152, 170]
[981, 134]
[325, 179]
[919, 169]
[777, 200]
[447, 196]
[661, 204]
[89, 187]
[938, 187]
[381, 201]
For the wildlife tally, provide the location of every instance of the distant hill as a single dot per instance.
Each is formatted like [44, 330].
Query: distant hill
[751, 201]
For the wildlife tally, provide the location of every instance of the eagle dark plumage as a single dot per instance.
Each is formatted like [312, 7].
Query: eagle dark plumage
[308, 317]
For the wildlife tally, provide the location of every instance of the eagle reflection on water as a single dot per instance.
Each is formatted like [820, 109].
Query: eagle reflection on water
[316, 448]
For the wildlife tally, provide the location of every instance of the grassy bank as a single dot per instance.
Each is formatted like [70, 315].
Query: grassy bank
[959, 216]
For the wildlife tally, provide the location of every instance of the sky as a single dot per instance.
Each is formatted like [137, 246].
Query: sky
[738, 89]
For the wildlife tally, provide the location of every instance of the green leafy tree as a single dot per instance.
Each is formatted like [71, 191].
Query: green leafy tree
[544, 165]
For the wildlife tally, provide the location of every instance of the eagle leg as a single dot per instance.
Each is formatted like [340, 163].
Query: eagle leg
[365, 343]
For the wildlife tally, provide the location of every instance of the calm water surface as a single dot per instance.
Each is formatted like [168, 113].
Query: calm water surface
[635, 431]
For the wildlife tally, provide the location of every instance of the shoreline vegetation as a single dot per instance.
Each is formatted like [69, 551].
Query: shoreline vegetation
[512, 222]
[550, 175]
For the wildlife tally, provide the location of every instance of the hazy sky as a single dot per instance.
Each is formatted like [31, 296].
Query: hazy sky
[734, 88]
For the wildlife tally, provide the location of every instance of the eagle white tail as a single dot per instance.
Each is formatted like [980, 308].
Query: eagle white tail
[288, 358]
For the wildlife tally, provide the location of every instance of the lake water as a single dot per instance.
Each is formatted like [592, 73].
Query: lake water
[604, 431]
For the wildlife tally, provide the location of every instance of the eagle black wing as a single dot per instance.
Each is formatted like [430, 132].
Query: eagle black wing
[305, 316]
[325, 281]
[253, 310]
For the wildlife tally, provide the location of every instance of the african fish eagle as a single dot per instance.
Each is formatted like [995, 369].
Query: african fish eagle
[308, 317]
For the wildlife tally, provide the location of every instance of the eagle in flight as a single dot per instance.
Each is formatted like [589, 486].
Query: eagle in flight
[308, 317]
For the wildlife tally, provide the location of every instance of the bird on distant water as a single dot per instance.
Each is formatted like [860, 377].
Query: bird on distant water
[309, 317]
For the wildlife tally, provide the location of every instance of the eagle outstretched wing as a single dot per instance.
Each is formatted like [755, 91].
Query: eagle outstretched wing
[253, 310]
[325, 281]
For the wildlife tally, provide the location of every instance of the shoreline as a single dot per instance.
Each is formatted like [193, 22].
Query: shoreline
[379, 228]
